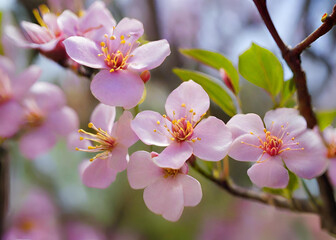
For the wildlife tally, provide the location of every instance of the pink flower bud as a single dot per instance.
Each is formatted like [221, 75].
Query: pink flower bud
[145, 76]
[226, 79]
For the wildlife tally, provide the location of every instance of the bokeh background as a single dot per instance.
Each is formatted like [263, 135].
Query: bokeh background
[51, 186]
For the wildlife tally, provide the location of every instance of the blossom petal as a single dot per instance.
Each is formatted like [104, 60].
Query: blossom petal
[119, 159]
[36, 33]
[103, 117]
[68, 23]
[188, 96]
[192, 191]
[25, 80]
[97, 174]
[144, 125]
[47, 96]
[310, 161]
[149, 55]
[332, 171]
[7, 66]
[215, 139]
[74, 142]
[124, 132]
[84, 51]
[285, 119]
[11, 118]
[165, 197]
[245, 123]
[37, 142]
[121, 88]
[128, 27]
[63, 121]
[245, 148]
[142, 171]
[174, 156]
[270, 173]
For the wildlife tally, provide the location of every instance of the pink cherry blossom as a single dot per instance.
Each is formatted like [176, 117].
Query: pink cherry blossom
[182, 130]
[120, 59]
[79, 230]
[285, 139]
[113, 141]
[167, 191]
[46, 117]
[12, 90]
[329, 135]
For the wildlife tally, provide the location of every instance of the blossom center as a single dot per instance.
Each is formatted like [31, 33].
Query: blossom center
[34, 116]
[105, 143]
[38, 14]
[116, 54]
[26, 225]
[170, 172]
[5, 88]
[332, 150]
[272, 145]
[182, 129]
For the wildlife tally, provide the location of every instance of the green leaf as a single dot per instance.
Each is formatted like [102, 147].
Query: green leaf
[217, 92]
[262, 68]
[217, 61]
[1, 23]
[287, 192]
[325, 118]
[287, 91]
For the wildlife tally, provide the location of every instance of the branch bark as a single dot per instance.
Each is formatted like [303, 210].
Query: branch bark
[4, 187]
[292, 57]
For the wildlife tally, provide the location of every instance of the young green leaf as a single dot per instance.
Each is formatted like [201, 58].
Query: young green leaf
[217, 61]
[262, 68]
[325, 118]
[217, 92]
[287, 91]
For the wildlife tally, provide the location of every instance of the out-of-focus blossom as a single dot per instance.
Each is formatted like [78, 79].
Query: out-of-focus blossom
[36, 219]
[82, 231]
[329, 135]
[46, 118]
[285, 139]
[167, 191]
[112, 143]
[182, 130]
[120, 59]
[13, 88]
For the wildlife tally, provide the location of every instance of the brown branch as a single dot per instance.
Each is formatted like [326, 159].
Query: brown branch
[292, 57]
[294, 204]
[4, 187]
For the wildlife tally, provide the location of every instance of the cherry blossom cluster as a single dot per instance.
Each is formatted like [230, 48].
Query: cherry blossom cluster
[280, 144]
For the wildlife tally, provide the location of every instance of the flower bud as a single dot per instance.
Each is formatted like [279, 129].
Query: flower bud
[145, 76]
[226, 79]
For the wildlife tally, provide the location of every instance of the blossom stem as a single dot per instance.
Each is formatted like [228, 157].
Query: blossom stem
[310, 196]
[300, 205]
[4, 186]
[293, 59]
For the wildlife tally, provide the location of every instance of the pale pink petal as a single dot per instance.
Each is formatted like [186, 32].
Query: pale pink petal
[129, 27]
[142, 171]
[310, 161]
[47, 96]
[123, 130]
[97, 174]
[121, 88]
[47, 47]
[7, 66]
[68, 23]
[245, 123]
[329, 135]
[15, 36]
[51, 20]
[149, 55]
[165, 197]
[215, 139]
[11, 118]
[25, 80]
[119, 158]
[192, 191]
[36, 34]
[245, 148]
[103, 117]
[63, 121]
[285, 119]
[332, 171]
[74, 142]
[188, 96]
[270, 173]
[144, 125]
[174, 156]
[84, 51]
[37, 142]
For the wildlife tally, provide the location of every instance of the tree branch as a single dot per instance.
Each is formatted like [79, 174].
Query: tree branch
[292, 58]
[4, 187]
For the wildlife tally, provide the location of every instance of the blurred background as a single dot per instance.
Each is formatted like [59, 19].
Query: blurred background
[49, 188]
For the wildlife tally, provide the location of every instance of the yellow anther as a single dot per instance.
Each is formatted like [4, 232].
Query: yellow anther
[122, 37]
[194, 113]
[282, 126]
[105, 35]
[158, 122]
[129, 35]
[91, 160]
[164, 115]
[122, 42]
[193, 140]
[100, 54]
[77, 149]
[251, 133]
[112, 70]
[265, 130]
[293, 138]
[81, 138]
[172, 139]
[91, 147]
[191, 110]
[154, 130]
[183, 105]
[199, 139]
[102, 44]
[112, 37]
[90, 125]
